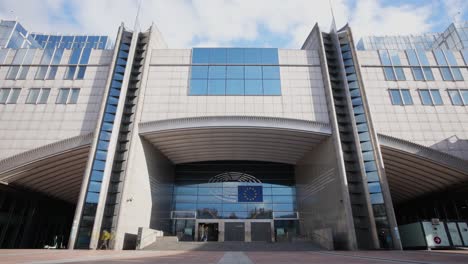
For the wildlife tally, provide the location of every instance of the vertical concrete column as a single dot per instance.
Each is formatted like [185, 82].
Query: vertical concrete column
[221, 231]
[248, 231]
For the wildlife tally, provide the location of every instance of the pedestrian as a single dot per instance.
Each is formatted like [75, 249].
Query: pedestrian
[206, 234]
[105, 236]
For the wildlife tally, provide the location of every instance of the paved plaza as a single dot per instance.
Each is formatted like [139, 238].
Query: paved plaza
[231, 257]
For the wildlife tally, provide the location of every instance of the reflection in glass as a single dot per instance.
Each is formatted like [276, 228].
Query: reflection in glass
[455, 97]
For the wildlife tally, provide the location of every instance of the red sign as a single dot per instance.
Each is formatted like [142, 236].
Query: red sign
[437, 240]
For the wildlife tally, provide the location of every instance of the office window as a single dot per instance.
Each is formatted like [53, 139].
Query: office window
[430, 97]
[33, 95]
[229, 72]
[75, 92]
[68, 96]
[38, 95]
[406, 95]
[390, 59]
[389, 74]
[458, 97]
[450, 70]
[401, 97]
[9, 95]
[455, 97]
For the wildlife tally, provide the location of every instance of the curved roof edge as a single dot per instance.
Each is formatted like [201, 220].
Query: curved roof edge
[235, 121]
[424, 152]
[44, 152]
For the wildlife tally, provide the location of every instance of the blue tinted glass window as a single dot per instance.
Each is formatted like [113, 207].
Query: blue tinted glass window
[395, 96]
[455, 97]
[253, 87]
[271, 72]
[101, 154]
[217, 55]
[252, 56]
[376, 198]
[235, 72]
[269, 56]
[283, 207]
[96, 175]
[407, 99]
[450, 58]
[217, 72]
[200, 55]
[384, 58]
[199, 72]
[446, 74]
[94, 186]
[85, 56]
[253, 72]
[417, 74]
[198, 87]
[235, 87]
[81, 72]
[389, 74]
[428, 74]
[457, 75]
[235, 56]
[436, 97]
[92, 197]
[99, 165]
[374, 187]
[439, 55]
[272, 87]
[464, 94]
[372, 176]
[412, 58]
[267, 76]
[217, 87]
[70, 73]
[422, 57]
[400, 74]
[425, 97]
[395, 57]
[75, 56]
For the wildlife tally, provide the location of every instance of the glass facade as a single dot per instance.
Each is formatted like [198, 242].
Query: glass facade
[233, 190]
[389, 59]
[235, 71]
[14, 36]
[100, 156]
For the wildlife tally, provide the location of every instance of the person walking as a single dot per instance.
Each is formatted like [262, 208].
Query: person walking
[105, 237]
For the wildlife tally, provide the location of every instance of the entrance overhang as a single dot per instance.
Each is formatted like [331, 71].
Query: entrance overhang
[234, 138]
[55, 170]
[413, 170]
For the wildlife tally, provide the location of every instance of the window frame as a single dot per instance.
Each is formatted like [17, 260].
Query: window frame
[460, 94]
[431, 96]
[400, 91]
[69, 96]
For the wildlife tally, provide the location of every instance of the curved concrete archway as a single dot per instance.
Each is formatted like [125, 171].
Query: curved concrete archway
[56, 169]
[234, 138]
[413, 170]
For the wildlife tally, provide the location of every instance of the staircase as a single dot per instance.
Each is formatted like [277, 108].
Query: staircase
[171, 243]
[347, 135]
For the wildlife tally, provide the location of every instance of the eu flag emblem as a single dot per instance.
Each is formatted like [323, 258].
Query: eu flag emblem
[250, 193]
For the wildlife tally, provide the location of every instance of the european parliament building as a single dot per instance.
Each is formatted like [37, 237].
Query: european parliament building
[341, 142]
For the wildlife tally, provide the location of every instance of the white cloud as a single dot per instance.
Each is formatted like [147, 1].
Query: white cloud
[372, 17]
[186, 23]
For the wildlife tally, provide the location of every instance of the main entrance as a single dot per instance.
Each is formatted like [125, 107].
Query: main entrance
[234, 230]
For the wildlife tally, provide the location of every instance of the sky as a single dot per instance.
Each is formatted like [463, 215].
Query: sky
[235, 23]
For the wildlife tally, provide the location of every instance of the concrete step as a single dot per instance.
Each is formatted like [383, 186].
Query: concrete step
[234, 246]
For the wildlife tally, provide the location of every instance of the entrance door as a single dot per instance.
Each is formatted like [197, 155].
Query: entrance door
[208, 231]
[234, 231]
[261, 231]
